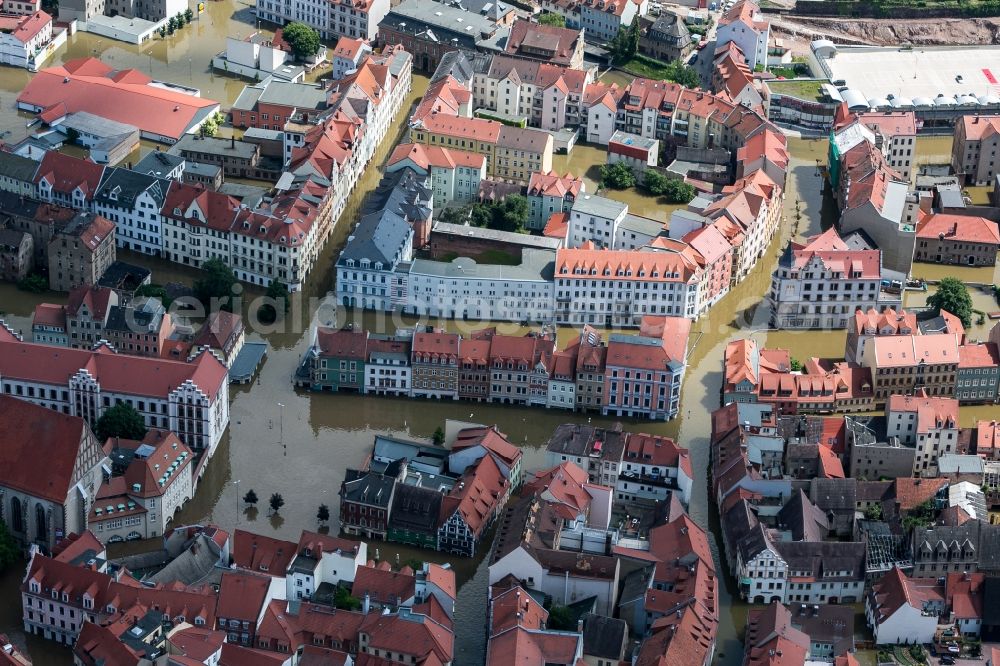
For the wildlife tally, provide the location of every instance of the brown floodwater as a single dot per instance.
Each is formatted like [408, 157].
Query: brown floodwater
[299, 444]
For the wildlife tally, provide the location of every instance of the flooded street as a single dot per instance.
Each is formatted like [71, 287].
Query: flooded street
[299, 443]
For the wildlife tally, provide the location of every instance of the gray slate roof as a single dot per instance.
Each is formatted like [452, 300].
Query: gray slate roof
[125, 186]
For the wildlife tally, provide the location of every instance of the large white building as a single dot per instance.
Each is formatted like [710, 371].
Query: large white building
[133, 201]
[463, 289]
[351, 18]
[156, 483]
[745, 25]
[23, 39]
[595, 219]
[190, 399]
[820, 284]
[616, 288]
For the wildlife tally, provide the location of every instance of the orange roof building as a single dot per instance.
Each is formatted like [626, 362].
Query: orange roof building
[161, 112]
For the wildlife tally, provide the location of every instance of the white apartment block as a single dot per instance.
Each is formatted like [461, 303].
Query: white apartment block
[351, 18]
[616, 288]
[133, 201]
[595, 219]
[745, 25]
[461, 289]
[87, 383]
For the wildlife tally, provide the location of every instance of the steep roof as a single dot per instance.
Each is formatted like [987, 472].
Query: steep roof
[22, 426]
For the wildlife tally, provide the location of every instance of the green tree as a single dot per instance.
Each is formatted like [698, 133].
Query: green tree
[454, 214]
[548, 18]
[9, 552]
[188, 15]
[279, 292]
[121, 420]
[323, 514]
[303, 39]
[655, 182]
[154, 291]
[677, 191]
[952, 295]
[250, 497]
[216, 281]
[438, 436]
[617, 176]
[276, 502]
[343, 600]
[33, 283]
[560, 619]
[511, 214]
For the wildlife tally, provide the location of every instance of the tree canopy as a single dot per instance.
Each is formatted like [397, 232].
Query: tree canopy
[217, 281]
[617, 176]
[952, 295]
[548, 18]
[511, 214]
[121, 420]
[303, 39]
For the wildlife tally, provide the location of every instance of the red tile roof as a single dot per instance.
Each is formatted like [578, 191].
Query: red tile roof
[383, 586]
[959, 229]
[198, 643]
[117, 373]
[66, 173]
[415, 635]
[262, 554]
[426, 156]
[127, 96]
[977, 127]
[979, 355]
[342, 343]
[552, 184]
[242, 596]
[562, 41]
[435, 345]
[964, 595]
[49, 314]
[932, 412]
[521, 647]
[22, 426]
[490, 439]
[911, 493]
[988, 439]
[836, 256]
[514, 607]
[477, 495]
[895, 590]
[564, 487]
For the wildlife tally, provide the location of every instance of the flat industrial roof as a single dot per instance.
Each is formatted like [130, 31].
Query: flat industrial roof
[919, 72]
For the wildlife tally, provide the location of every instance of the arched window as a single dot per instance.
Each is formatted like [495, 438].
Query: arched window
[16, 517]
[41, 534]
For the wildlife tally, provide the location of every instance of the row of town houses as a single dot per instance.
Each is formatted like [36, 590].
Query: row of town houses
[447, 497]
[887, 353]
[277, 238]
[607, 267]
[636, 375]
